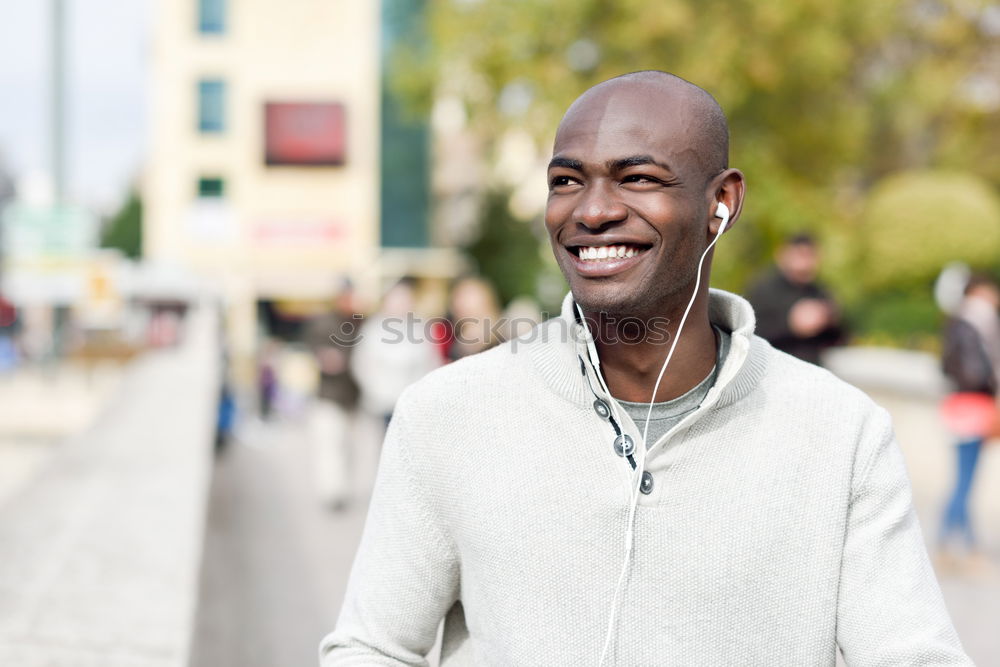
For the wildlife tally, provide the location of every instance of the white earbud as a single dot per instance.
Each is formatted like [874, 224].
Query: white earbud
[722, 212]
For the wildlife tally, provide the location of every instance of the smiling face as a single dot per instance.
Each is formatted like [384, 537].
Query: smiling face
[633, 188]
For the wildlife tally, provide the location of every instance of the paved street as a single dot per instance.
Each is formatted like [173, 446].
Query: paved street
[276, 561]
[41, 408]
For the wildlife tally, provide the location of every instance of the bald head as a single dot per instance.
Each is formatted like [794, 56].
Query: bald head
[668, 99]
[640, 162]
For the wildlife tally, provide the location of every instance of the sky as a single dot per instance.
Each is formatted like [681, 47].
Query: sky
[107, 57]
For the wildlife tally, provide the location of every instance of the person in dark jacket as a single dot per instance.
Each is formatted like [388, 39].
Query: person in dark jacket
[794, 312]
[970, 358]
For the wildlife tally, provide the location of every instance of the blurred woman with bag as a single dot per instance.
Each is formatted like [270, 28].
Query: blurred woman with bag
[970, 359]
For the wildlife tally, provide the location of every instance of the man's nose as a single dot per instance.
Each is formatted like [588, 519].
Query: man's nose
[600, 205]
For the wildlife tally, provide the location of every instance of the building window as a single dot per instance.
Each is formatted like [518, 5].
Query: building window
[304, 133]
[211, 187]
[211, 105]
[211, 17]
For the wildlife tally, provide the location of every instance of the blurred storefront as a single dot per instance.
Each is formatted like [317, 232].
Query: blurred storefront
[60, 293]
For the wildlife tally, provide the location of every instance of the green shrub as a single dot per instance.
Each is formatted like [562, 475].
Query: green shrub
[916, 222]
[908, 319]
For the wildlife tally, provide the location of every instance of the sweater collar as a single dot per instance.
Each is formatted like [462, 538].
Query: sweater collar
[562, 344]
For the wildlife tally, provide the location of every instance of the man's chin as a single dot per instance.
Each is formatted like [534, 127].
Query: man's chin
[612, 295]
[611, 300]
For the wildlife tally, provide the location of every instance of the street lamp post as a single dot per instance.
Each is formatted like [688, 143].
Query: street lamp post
[58, 102]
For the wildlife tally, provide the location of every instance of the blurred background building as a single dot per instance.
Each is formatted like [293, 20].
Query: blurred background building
[262, 176]
[271, 132]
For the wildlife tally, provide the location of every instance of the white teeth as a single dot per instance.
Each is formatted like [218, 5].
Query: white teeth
[607, 252]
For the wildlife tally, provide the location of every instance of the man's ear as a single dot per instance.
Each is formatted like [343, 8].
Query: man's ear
[730, 188]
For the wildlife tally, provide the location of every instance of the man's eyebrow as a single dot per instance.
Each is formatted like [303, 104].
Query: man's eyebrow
[635, 161]
[568, 163]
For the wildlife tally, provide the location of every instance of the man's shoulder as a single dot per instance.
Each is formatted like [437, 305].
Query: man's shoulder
[806, 383]
[824, 415]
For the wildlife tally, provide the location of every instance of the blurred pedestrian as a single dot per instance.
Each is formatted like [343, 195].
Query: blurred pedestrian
[394, 351]
[970, 358]
[795, 313]
[267, 377]
[473, 315]
[331, 419]
[8, 335]
[226, 409]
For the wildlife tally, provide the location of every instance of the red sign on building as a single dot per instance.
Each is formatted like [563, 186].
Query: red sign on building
[305, 133]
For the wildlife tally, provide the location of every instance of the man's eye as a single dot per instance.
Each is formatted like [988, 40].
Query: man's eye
[641, 179]
[559, 181]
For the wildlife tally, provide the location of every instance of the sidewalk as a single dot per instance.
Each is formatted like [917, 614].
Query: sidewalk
[40, 407]
[101, 550]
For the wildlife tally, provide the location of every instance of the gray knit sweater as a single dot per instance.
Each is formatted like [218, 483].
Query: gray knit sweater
[779, 526]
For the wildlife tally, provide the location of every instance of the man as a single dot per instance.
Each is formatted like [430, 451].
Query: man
[773, 520]
[794, 313]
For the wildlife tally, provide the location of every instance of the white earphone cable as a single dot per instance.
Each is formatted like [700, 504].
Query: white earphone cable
[641, 467]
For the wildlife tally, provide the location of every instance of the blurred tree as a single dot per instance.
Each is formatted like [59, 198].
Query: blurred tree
[7, 190]
[124, 230]
[825, 99]
[911, 226]
[916, 222]
[505, 241]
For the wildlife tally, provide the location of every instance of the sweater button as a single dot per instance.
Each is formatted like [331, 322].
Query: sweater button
[624, 446]
[602, 409]
[646, 485]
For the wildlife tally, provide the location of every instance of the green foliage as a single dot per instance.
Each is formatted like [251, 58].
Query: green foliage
[506, 250]
[911, 319]
[124, 230]
[825, 100]
[916, 222]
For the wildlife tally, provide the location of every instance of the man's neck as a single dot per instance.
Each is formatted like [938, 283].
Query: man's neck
[631, 359]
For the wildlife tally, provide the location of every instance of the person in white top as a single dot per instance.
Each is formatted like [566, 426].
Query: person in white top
[392, 351]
